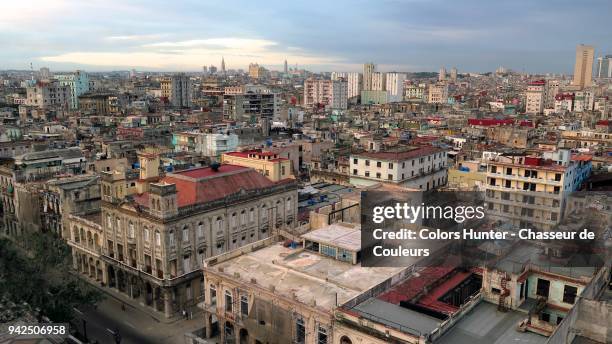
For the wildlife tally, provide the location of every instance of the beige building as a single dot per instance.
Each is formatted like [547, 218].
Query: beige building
[330, 93]
[535, 97]
[47, 93]
[530, 192]
[269, 293]
[269, 164]
[153, 243]
[437, 93]
[256, 71]
[583, 69]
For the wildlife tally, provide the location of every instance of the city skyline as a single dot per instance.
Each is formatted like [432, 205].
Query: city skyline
[408, 36]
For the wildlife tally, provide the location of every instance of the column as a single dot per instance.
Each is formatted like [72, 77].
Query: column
[167, 303]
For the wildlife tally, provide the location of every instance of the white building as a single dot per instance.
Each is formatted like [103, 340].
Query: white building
[354, 84]
[395, 86]
[213, 145]
[368, 70]
[379, 81]
[422, 168]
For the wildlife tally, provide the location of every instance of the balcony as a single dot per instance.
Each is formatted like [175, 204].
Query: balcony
[523, 179]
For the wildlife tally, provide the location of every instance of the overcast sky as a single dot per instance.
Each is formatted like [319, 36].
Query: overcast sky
[404, 35]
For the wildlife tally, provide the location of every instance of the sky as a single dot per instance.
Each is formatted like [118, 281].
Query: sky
[533, 36]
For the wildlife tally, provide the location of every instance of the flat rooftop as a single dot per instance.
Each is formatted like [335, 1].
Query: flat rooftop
[348, 238]
[528, 253]
[303, 275]
[486, 325]
[396, 316]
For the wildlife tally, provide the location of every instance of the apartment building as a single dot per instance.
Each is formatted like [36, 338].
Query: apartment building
[355, 81]
[530, 192]
[49, 93]
[78, 83]
[379, 81]
[535, 97]
[269, 164]
[395, 86]
[177, 89]
[329, 93]
[422, 168]
[151, 245]
[437, 93]
[251, 105]
[211, 145]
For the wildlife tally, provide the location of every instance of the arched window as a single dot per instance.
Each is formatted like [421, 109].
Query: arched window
[345, 340]
[185, 233]
[157, 238]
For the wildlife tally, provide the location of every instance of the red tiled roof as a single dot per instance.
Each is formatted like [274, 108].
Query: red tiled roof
[200, 185]
[412, 287]
[489, 121]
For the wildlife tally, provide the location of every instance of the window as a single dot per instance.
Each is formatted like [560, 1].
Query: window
[244, 305]
[300, 331]
[508, 184]
[228, 301]
[569, 294]
[492, 182]
[185, 234]
[378, 175]
[147, 236]
[354, 171]
[542, 287]
[493, 169]
[171, 235]
[213, 294]
[558, 177]
[131, 233]
[322, 335]
[390, 165]
[367, 174]
[200, 229]
[390, 177]
[509, 171]
[157, 238]
[378, 164]
[355, 161]
[367, 162]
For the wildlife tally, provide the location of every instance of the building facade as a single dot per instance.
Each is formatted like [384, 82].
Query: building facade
[421, 168]
[153, 246]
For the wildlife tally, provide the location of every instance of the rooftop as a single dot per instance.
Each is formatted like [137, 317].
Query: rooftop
[337, 235]
[304, 276]
[485, 325]
[411, 153]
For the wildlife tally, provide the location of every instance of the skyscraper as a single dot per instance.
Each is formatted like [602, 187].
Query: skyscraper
[395, 86]
[604, 67]
[583, 69]
[222, 65]
[286, 68]
[368, 69]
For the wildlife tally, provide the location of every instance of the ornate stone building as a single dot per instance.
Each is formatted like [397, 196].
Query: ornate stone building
[151, 245]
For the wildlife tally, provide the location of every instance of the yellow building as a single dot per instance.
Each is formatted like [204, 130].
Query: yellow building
[269, 164]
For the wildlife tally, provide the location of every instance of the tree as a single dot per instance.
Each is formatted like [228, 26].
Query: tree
[41, 276]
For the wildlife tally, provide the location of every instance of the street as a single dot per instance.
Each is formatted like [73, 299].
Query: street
[133, 325]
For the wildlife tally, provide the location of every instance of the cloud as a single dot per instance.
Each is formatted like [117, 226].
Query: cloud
[192, 54]
[143, 37]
